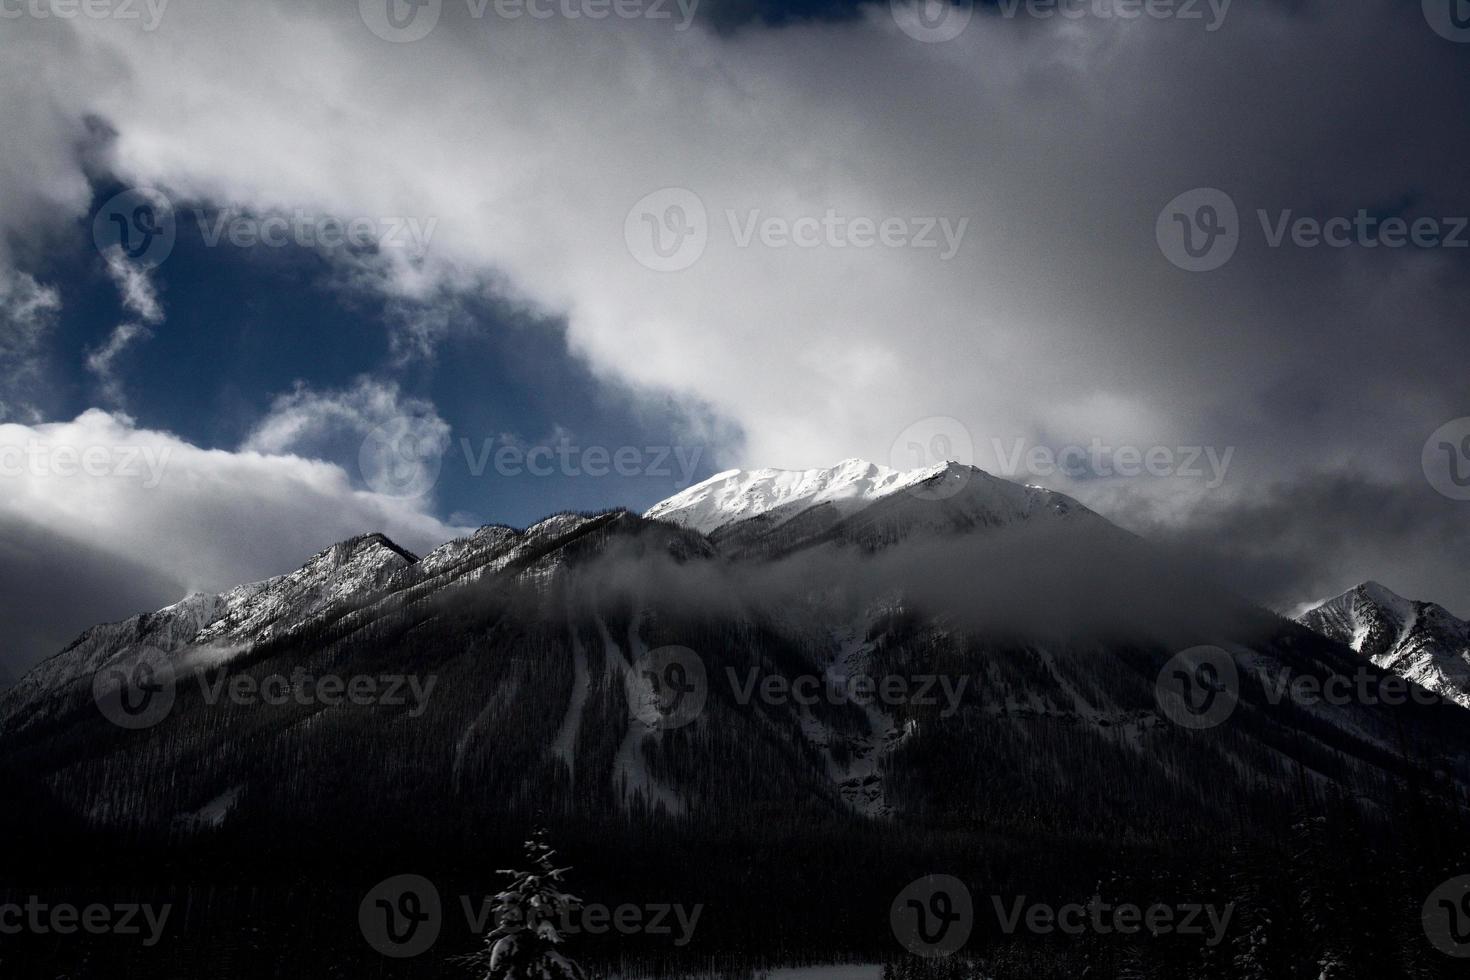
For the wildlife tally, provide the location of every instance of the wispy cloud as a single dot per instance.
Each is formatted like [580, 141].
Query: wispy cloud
[27, 313]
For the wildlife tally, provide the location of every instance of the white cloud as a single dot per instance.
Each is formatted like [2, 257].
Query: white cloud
[101, 360]
[207, 519]
[528, 141]
[399, 442]
[304, 419]
[1058, 320]
[27, 313]
[134, 286]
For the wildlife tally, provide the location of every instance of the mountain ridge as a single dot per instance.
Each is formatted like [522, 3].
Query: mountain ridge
[1420, 641]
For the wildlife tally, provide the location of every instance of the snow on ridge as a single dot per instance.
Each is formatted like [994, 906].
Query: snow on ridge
[737, 495]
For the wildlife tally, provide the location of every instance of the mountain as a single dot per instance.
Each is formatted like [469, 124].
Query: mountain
[1420, 641]
[768, 512]
[739, 495]
[886, 674]
[243, 616]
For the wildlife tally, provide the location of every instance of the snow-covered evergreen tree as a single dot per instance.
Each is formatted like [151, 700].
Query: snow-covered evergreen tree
[528, 916]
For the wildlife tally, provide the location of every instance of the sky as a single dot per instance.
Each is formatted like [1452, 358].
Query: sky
[274, 274]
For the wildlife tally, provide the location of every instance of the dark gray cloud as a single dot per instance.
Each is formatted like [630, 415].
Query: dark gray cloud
[1318, 536]
[55, 586]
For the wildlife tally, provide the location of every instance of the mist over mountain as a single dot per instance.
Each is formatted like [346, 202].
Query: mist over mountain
[947, 672]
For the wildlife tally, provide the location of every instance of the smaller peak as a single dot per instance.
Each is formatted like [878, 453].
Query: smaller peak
[372, 540]
[1378, 592]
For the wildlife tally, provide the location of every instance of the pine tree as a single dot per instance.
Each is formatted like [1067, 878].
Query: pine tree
[528, 914]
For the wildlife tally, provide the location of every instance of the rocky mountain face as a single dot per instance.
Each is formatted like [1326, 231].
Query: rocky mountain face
[861, 674]
[1420, 641]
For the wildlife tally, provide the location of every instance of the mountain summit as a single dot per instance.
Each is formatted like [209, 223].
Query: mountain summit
[856, 495]
[1421, 641]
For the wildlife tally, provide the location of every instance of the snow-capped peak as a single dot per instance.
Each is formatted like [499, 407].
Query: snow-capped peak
[737, 495]
[1418, 640]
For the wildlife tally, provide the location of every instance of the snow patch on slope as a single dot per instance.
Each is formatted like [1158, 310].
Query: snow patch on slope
[737, 495]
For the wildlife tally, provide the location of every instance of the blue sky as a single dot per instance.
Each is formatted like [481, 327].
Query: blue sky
[244, 325]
